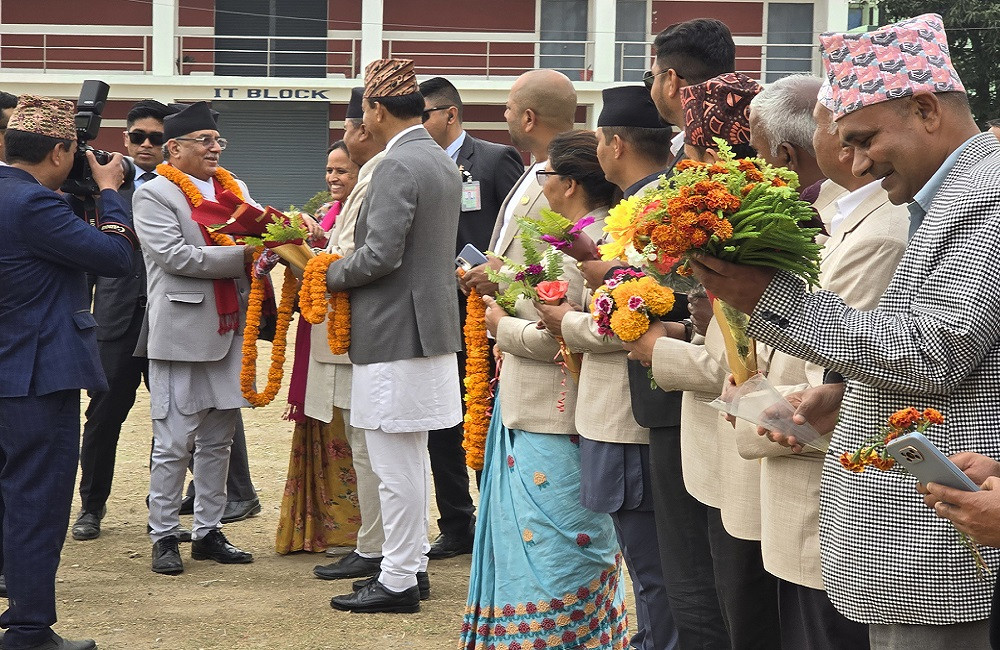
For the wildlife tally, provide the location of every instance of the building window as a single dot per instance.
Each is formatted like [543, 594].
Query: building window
[564, 44]
[790, 39]
[265, 40]
[631, 48]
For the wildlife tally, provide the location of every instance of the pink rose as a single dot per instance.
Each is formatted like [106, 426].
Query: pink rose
[552, 292]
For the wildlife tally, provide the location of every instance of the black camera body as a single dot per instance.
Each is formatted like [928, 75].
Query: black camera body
[80, 182]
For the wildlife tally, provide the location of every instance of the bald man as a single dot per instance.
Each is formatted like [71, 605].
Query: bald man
[541, 104]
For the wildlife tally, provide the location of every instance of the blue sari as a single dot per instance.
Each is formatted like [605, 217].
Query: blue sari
[546, 572]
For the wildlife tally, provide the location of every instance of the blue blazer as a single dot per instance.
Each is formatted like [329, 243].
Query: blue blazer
[47, 333]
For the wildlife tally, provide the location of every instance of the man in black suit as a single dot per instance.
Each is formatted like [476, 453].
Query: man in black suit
[119, 306]
[489, 171]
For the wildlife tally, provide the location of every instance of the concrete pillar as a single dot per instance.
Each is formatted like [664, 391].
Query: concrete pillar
[371, 33]
[164, 38]
[604, 22]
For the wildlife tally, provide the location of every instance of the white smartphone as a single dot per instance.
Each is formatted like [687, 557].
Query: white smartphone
[470, 257]
[925, 461]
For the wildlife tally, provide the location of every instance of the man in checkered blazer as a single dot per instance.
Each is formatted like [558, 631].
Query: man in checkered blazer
[932, 341]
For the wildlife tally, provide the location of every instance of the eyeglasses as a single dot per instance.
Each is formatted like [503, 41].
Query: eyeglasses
[541, 175]
[426, 115]
[207, 141]
[138, 137]
[648, 77]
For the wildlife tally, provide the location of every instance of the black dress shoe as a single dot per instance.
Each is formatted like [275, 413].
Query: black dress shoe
[167, 557]
[240, 510]
[373, 597]
[449, 546]
[87, 526]
[423, 584]
[56, 642]
[351, 565]
[215, 546]
[187, 506]
[183, 534]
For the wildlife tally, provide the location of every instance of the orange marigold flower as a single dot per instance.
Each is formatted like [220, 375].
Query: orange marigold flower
[723, 229]
[905, 418]
[721, 199]
[753, 175]
[629, 325]
[687, 163]
[747, 188]
[882, 463]
[933, 416]
[718, 169]
[847, 460]
[777, 182]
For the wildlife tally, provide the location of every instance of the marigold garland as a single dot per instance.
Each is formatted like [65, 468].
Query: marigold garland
[477, 382]
[248, 369]
[313, 303]
[181, 180]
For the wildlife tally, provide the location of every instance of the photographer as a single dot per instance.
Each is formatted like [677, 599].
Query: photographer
[48, 350]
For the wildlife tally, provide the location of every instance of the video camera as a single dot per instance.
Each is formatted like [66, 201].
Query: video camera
[80, 182]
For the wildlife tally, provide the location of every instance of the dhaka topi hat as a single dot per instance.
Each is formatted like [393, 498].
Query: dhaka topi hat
[825, 96]
[390, 78]
[196, 117]
[44, 116]
[355, 111]
[719, 108]
[629, 106]
[894, 61]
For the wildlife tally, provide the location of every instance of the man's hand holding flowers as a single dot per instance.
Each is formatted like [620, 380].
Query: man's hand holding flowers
[594, 271]
[641, 349]
[476, 278]
[977, 514]
[494, 313]
[738, 285]
[550, 316]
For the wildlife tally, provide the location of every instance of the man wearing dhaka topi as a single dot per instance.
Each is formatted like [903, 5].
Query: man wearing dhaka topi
[48, 352]
[197, 289]
[402, 285]
[933, 341]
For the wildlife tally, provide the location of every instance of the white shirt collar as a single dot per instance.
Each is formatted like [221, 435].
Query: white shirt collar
[677, 143]
[207, 188]
[850, 202]
[395, 138]
[2, 164]
[455, 146]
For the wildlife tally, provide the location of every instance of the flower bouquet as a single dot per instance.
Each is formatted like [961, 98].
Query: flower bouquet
[286, 235]
[742, 211]
[562, 234]
[626, 304]
[553, 292]
[873, 453]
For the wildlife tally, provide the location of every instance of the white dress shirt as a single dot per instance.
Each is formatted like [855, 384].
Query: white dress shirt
[515, 199]
[850, 202]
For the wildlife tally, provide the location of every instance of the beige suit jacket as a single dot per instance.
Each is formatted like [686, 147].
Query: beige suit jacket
[714, 472]
[858, 261]
[530, 204]
[328, 383]
[603, 405]
[531, 382]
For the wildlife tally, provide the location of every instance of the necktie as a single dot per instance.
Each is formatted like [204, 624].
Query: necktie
[147, 176]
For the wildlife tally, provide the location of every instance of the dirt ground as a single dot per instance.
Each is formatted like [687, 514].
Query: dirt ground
[107, 592]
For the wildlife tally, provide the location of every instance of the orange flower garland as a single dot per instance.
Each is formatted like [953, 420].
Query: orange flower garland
[248, 371]
[313, 302]
[477, 382]
[181, 180]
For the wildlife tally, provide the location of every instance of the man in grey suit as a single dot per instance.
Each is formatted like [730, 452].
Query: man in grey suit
[401, 279]
[197, 296]
[489, 172]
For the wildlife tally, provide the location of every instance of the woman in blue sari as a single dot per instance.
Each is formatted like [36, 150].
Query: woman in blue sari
[546, 572]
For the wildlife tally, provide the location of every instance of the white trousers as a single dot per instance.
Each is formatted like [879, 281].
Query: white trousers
[401, 462]
[370, 535]
[210, 434]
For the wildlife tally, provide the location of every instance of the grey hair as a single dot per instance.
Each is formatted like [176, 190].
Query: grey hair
[784, 111]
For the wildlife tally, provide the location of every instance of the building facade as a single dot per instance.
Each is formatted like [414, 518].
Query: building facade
[280, 71]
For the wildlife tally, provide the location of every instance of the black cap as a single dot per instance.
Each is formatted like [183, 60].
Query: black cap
[196, 117]
[629, 106]
[355, 111]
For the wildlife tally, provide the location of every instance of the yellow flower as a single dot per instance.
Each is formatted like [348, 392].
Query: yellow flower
[629, 325]
[527, 535]
[620, 225]
[659, 299]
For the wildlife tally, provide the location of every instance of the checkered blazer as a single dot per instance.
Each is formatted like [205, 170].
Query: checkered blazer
[933, 341]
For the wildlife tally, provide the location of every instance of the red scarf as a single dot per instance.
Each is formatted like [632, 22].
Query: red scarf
[226, 301]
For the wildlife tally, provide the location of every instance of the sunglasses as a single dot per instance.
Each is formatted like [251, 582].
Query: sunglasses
[648, 77]
[426, 115]
[138, 137]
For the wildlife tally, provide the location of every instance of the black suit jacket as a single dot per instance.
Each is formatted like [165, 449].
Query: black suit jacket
[654, 408]
[116, 299]
[497, 167]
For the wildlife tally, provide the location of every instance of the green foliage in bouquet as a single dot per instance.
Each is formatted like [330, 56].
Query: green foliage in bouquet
[280, 230]
[518, 280]
[314, 204]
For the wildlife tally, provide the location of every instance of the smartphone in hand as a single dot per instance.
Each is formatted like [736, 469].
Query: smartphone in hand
[470, 257]
[920, 457]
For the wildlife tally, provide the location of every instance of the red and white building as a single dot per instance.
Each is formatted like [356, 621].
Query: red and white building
[280, 71]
